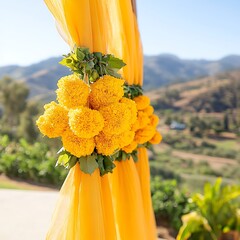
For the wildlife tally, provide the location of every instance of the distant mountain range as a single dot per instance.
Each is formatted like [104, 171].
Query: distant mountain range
[165, 69]
[159, 71]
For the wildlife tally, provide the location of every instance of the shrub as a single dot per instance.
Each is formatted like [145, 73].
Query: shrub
[169, 203]
[32, 162]
[217, 212]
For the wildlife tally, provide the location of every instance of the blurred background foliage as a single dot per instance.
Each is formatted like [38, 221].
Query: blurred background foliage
[200, 124]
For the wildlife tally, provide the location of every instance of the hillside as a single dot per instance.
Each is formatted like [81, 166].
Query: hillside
[159, 71]
[165, 69]
[209, 94]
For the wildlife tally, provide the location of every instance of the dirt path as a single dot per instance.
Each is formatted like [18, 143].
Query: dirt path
[214, 162]
[25, 215]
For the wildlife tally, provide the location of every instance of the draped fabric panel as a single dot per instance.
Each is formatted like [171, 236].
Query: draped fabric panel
[118, 205]
[125, 42]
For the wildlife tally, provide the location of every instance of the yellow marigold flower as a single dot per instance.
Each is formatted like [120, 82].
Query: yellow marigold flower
[135, 126]
[54, 121]
[50, 105]
[72, 92]
[142, 102]
[148, 110]
[157, 138]
[131, 147]
[154, 120]
[142, 121]
[144, 135]
[85, 122]
[77, 146]
[125, 138]
[117, 118]
[105, 91]
[131, 105]
[106, 144]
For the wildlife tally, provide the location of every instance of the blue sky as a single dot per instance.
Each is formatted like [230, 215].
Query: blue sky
[192, 29]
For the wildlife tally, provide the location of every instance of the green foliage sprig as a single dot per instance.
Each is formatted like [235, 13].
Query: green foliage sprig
[88, 164]
[95, 65]
[132, 91]
[122, 155]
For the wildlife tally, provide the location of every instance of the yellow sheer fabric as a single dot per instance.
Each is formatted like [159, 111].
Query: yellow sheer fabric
[144, 176]
[85, 207]
[127, 202]
[124, 42]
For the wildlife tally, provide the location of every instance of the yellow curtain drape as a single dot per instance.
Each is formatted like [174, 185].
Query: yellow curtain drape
[125, 42]
[84, 209]
[116, 206]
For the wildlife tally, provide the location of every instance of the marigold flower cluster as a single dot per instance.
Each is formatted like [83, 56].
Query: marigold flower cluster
[90, 118]
[145, 125]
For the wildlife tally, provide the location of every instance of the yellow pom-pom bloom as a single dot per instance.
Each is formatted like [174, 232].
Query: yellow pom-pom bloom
[85, 122]
[117, 118]
[106, 144]
[148, 110]
[131, 105]
[105, 91]
[50, 105]
[142, 121]
[131, 147]
[154, 120]
[54, 121]
[157, 138]
[135, 126]
[72, 92]
[142, 102]
[125, 138]
[77, 146]
[144, 135]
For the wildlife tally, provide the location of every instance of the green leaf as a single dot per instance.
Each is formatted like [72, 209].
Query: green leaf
[94, 76]
[63, 158]
[108, 164]
[115, 155]
[124, 155]
[105, 164]
[71, 163]
[101, 164]
[85, 50]
[65, 62]
[112, 72]
[98, 55]
[132, 91]
[115, 63]
[80, 55]
[134, 156]
[88, 164]
[66, 159]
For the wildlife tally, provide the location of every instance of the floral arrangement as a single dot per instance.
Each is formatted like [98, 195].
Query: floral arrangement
[98, 116]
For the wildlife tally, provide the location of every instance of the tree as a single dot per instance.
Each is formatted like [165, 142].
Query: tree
[27, 127]
[13, 98]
